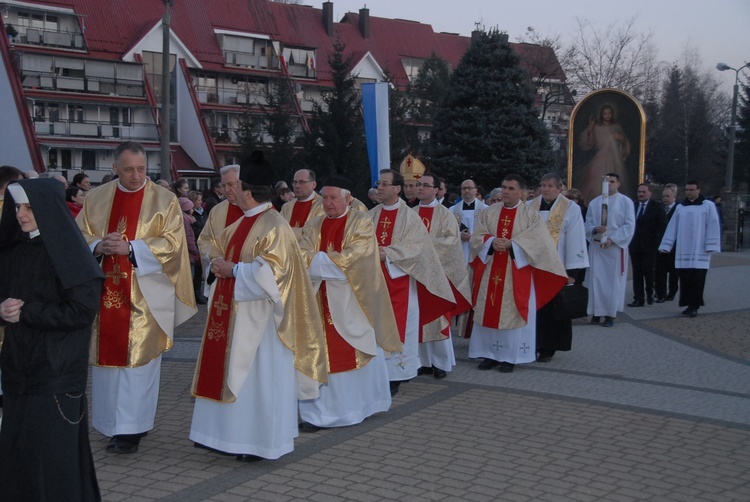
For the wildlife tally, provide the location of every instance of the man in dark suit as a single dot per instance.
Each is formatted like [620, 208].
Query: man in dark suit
[666, 281]
[650, 222]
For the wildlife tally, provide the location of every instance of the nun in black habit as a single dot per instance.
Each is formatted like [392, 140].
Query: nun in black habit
[50, 288]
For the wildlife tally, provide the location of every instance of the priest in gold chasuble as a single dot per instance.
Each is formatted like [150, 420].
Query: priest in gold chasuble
[263, 346]
[221, 216]
[420, 292]
[517, 271]
[306, 203]
[342, 256]
[437, 356]
[135, 228]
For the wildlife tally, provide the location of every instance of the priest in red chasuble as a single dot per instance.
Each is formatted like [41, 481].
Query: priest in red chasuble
[306, 204]
[135, 228]
[420, 292]
[221, 216]
[517, 271]
[263, 346]
[360, 328]
[437, 356]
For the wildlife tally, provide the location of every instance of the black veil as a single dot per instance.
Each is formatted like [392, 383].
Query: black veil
[67, 249]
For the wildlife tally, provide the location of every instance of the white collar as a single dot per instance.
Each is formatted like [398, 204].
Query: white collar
[257, 209]
[392, 207]
[311, 197]
[431, 204]
[519, 203]
[131, 191]
[346, 211]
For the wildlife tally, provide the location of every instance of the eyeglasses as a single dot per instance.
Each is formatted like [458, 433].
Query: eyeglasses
[425, 185]
[383, 184]
[301, 182]
[468, 188]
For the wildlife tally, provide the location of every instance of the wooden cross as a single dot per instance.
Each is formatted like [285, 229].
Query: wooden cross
[220, 306]
[116, 274]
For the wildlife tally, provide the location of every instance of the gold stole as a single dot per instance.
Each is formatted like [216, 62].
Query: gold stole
[556, 216]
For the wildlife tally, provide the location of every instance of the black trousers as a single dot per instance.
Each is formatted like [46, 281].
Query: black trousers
[666, 278]
[692, 282]
[643, 275]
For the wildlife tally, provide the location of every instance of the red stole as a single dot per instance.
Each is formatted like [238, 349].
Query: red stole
[300, 213]
[234, 213]
[425, 214]
[398, 288]
[497, 276]
[215, 353]
[114, 309]
[341, 355]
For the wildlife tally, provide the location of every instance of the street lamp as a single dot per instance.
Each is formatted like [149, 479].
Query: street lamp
[732, 126]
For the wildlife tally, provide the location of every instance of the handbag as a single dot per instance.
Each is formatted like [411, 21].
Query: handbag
[571, 302]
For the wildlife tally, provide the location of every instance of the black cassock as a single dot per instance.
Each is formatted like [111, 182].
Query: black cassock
[44, 445]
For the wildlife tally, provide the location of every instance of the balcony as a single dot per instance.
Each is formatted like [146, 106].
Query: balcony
[235, 96]
[91, 85]
[48, 38]
[250, 60]
[96, 130]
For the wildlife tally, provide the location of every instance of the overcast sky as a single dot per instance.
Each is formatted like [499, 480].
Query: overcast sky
[719, 29]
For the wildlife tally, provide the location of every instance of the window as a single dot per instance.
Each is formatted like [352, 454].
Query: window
[88, 159]
[54, 112]
[126, 121]
[75, 113]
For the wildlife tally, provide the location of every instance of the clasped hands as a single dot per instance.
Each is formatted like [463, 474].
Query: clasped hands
[501, 244]
[10, 310]
[112, 244]
[222, 269]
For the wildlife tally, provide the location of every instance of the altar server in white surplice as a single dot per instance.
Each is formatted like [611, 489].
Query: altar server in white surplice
[608, 253]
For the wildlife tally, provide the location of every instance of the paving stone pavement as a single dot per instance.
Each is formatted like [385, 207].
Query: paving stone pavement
[655, 408]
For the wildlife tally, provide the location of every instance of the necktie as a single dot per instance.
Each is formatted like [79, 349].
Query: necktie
[640, 210]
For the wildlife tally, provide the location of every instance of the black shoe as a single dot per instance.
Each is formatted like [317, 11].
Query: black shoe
[394, 387]
[200, 299]
[636, 303]
[690, 312]
[608, 322]
[543, 359]
[506, 368]
[670, 297]
[650, 300]
[118, 444]
[249, 458]
[487, 364]
[438, 373]
[595, 319]
[661, 300]
[307, 427]
[424, 370]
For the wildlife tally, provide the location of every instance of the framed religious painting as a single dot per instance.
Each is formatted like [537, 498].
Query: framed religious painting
[607, 135]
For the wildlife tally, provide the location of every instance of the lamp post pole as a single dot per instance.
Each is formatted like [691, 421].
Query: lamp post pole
[733, 122]
[166, 161]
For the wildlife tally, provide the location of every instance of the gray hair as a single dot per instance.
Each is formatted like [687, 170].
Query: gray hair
[671, 186]
[231, 167]
[130, 146]
[554, 177]
[494, 192]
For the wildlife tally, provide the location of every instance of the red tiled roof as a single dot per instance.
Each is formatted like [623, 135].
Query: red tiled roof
[115, 26]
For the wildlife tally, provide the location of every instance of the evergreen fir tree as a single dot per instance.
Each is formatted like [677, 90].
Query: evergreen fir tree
[668, 147]
[488, 127]
[282, 126]
[742, 139]
[336, 143]
[429, 88]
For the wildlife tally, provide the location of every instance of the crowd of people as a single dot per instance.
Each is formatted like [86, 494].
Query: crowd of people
[319, 306]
